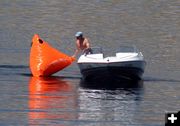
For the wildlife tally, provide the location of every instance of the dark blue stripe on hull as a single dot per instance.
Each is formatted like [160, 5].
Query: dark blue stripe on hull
[112, 73]
[111, 84]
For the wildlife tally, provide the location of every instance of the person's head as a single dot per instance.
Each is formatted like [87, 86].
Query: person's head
[79, 35]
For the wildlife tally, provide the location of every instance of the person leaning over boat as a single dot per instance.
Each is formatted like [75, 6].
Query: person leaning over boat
[82, 43]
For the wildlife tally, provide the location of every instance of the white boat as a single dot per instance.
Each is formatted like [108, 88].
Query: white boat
[128, 63]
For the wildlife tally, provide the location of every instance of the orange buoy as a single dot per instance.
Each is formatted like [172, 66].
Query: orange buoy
[46, 60]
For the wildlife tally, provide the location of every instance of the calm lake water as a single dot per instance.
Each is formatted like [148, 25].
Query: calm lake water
[62, 100]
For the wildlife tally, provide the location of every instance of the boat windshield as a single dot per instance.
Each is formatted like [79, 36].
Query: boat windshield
[122, 49]
[93, 50]
[125, 49]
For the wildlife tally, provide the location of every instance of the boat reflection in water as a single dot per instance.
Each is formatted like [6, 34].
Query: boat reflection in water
[109, 102]
[51, 99]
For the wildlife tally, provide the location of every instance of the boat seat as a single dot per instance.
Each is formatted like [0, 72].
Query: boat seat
[96, 56]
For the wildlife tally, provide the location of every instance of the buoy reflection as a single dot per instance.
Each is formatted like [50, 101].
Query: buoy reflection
[51, 99]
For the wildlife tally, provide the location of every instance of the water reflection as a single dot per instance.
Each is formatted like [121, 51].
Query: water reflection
[51, 99]
[118, 104]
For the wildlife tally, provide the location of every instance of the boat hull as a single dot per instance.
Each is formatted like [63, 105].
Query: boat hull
[131, 70]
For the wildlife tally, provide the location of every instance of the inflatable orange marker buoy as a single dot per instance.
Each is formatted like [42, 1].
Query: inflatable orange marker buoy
[46, 60]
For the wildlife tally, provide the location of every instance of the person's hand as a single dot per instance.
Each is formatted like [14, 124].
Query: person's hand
[73, 56]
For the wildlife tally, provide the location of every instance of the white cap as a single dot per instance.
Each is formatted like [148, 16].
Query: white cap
[78, 34]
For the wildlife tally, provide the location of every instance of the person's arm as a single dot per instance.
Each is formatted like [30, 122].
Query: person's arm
[77, 49]
[87, 43]
[75, 53]
[87, 50]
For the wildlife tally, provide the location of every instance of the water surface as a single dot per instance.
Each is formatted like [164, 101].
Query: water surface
[153, 26]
